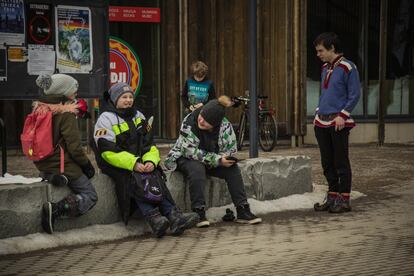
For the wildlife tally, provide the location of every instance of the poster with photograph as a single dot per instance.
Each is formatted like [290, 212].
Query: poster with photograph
[39, 27]
[73, 39]
[12, 22]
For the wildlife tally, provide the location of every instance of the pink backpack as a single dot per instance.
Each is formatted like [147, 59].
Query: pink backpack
[37, 138]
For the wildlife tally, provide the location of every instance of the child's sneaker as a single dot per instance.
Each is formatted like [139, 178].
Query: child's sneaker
[203, 222]
[244, 215]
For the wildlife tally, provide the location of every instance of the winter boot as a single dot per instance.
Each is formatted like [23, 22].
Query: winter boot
[159, 224]
[51, 211]
[181, 221]
[203, 222]
[244, 215]
[341, 204]
[328, 202]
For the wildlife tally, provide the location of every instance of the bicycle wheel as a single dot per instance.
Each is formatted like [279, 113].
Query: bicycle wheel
[267, 132]
[241, 131]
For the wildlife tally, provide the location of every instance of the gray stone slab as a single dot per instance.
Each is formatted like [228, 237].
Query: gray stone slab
[104, 212]
[264, 179]
[20, 208]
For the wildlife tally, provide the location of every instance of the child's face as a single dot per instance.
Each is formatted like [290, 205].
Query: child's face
[199, 77]
[125, 100]
[203, 124]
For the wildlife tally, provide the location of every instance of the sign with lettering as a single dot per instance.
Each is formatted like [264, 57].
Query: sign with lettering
[124, 65]
[134, 14]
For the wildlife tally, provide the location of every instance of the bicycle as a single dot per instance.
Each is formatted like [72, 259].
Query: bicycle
[267, 123]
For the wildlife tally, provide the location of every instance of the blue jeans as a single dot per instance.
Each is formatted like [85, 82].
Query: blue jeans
[165, 207]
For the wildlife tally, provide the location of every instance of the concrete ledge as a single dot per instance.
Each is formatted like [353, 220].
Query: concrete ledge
[265, 179]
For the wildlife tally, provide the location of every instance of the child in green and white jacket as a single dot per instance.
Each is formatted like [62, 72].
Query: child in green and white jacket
[205, 142]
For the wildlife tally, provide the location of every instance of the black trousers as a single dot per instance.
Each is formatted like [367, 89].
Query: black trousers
[334, 146]
[196, 175]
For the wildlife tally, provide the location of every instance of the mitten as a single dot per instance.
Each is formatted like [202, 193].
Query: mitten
[88, 170]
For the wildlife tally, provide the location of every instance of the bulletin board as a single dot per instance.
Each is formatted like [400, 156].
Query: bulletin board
[70, 37]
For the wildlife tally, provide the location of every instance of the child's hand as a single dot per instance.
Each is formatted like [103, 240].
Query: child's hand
[226, 162]
[198, 105]
[139, 167]
[149, 167]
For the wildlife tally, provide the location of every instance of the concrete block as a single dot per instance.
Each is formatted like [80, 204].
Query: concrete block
[20, 208]
[105, 211]
[264, 179]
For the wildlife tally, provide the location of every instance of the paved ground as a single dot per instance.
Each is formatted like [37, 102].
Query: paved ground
[377, 238]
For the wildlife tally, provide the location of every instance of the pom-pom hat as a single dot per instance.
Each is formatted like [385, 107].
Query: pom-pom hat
[58, 84]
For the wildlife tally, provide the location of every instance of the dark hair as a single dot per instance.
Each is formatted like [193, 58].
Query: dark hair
[328, 40]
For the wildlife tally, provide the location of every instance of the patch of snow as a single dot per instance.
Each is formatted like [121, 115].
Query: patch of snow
[18, 179]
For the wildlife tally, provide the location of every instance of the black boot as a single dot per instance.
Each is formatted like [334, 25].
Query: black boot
[328, 202]
[203, 222]
[180, 221]
[244, 215]
[51, 211]
[159, 224]
[340, 205]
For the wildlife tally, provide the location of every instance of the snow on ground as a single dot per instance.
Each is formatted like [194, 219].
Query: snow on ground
[13, 179]
[100, 233]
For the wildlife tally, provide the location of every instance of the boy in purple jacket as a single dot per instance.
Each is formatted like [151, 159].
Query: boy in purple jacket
[340, 92]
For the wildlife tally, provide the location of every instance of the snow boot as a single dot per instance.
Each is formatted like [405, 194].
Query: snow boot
[244, 215]
[159, 224]
[203, 222]
[328, 202]
[341, 204]
[51, 211]
[181, 221]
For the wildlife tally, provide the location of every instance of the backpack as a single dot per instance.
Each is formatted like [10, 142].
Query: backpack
[37, 138]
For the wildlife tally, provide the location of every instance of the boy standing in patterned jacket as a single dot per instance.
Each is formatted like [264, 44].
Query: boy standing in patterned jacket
[340, 92]
[206, 141]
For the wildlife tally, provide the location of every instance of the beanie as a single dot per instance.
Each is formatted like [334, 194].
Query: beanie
[118, 89]
[213, 112]
[57, 84]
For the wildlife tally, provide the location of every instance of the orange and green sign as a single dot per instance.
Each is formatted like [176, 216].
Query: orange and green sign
[124, 65]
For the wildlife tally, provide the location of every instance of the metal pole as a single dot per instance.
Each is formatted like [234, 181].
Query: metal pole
[3, 148]
[253, 112]
[382, 68]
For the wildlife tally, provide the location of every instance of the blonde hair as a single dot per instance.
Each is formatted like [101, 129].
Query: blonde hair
[224, 101]
[199, 69]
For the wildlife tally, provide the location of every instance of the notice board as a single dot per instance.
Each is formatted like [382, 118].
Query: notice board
[29, 43]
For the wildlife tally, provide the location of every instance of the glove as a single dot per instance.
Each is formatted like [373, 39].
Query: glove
[88, 170]
[83, 109]
[229, 216]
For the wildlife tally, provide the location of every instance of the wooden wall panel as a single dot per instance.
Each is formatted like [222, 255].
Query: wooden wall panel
[170, 68]
[217, 33]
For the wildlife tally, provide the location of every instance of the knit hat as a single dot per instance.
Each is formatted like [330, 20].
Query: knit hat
[213, 112]
[118, 89]
[57, 84]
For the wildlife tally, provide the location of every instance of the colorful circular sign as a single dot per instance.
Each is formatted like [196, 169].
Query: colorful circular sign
[124, 65]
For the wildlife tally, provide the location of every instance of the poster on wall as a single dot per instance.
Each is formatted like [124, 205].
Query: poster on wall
[12, 22]
[41, 59]
[73, 39]
[39, 28]
[3, 64]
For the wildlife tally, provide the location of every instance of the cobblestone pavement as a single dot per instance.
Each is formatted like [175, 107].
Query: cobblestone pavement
[376, 238]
